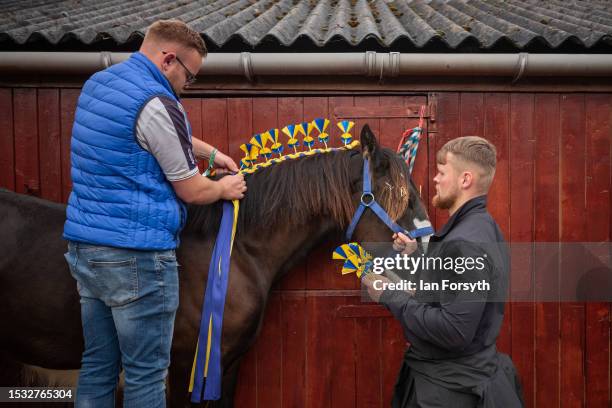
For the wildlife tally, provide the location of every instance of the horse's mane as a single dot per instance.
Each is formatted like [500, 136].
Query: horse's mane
[293, 191]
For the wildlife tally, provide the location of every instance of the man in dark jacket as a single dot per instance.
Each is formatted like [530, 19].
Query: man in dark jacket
[453, 319]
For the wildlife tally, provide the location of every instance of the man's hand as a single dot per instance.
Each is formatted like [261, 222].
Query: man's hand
[225, 163]
[404, 244]
[233, 187]
[368, 282]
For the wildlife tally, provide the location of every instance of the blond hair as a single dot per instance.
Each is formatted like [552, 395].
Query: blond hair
[474, 150]
[178, 32]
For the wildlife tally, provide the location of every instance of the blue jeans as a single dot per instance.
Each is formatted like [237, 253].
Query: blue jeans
[128, 304]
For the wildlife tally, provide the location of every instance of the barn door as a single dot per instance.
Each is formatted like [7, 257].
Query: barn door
[320, 346]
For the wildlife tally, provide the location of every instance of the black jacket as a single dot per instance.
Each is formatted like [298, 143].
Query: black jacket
[453, 332]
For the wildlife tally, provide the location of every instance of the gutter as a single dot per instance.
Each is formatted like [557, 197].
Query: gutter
[370, 64]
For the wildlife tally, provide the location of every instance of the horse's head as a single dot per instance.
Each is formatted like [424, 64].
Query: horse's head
[392, 188]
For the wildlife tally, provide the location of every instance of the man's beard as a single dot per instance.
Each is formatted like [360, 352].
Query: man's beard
[444, 203]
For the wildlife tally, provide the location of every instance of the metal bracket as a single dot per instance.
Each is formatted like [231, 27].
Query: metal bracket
[522, 64]
[247, 66]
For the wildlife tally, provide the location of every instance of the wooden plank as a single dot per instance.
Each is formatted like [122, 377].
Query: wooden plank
[343, 355]
[368, 370]
[193, 108]
[68, 102]
[240, 125]
[597, 320]
[50, 142]
[376, 112]
[393, 346]
[546, 130]
[270, 363]
[214, 123]
[27, 174]
[471, 117]
[268, 346]
[294, 337]
[362, 311]
[496, 130]
[319, 342]
[362, 103]
[573, 212]
[292, 110]
[246, 388]
[334, 131]
[7, 150]
[521, 158]
[448, 128]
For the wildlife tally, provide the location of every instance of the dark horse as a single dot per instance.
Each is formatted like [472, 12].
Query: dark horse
[291, 207]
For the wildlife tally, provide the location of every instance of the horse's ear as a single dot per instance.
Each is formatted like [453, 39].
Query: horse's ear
[369, 144]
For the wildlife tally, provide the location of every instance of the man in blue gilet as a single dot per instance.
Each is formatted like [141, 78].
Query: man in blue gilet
[134, 166]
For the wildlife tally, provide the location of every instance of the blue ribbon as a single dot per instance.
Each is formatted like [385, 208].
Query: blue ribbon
[214, 303]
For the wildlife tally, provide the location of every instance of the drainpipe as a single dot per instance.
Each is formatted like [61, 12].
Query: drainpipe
[371, 64]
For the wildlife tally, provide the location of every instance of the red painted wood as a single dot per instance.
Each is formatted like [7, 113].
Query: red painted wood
[27, 176]
[319, 341]
[49, 142]
[368, 354]
[343, 355]
[214, 123]
[294, 336]
[546, 229]
[448, 128]
[68, 101]
[365, 102]
[597, 319]
[193, 108]
[496, 130]
[240, 125]
[269, 356]
[7, 141]
[521, 159]
[471, 117]
[393, 346]
[292, 110]
[573, 212]
[334, 130]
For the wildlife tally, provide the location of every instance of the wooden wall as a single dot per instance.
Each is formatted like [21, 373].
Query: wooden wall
[320, 346]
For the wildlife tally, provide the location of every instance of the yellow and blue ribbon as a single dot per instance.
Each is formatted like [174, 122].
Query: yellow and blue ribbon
[206, 372]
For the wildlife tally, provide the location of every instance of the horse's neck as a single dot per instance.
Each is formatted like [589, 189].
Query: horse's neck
[280, 248]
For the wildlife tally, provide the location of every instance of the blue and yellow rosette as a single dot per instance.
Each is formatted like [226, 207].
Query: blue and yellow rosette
[277, 147]
[304, 128]
[321, 125]
[356, 259]
[346, 126]
[251, 152]
[291, 131]
[260, 140]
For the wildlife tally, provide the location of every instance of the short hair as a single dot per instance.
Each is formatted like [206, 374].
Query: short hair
[475, 150]
[178, 32]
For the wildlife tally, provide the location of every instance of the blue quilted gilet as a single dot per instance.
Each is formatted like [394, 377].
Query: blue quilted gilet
[120, 196]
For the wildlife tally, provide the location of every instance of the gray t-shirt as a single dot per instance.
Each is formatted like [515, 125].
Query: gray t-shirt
[162, 130]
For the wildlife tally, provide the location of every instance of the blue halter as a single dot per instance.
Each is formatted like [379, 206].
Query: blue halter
[368, 201]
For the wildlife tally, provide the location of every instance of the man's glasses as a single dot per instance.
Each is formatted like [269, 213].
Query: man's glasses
[191, 78]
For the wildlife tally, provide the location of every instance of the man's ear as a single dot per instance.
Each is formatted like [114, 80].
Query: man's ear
[369, 144]
[468, 179]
